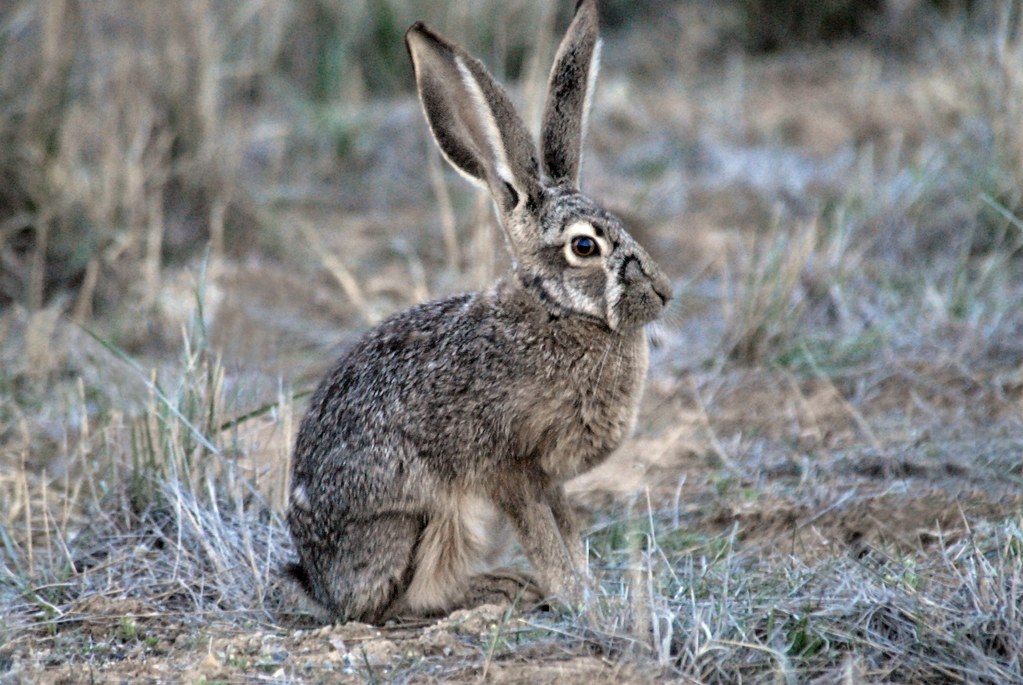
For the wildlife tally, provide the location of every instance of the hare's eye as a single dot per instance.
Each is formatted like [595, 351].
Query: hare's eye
[585, 247]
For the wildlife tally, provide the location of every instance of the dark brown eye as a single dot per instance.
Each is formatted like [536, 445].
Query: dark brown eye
[584, 246]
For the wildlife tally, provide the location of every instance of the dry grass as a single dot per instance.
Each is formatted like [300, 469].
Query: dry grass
[826, 482]
[116, 154]
[124, 129]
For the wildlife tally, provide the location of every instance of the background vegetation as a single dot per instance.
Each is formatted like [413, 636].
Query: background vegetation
[201, 202]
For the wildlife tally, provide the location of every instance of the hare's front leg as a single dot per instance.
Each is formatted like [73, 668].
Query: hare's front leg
[541, 517]
[561, 508]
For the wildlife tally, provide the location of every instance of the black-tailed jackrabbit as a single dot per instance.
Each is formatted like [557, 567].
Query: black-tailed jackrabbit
[455, 419]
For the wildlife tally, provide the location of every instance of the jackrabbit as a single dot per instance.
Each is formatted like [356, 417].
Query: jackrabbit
[451, 421]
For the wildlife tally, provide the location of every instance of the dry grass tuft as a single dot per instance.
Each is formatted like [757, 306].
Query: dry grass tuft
[117, 153]
[123, 130]
[766, 301]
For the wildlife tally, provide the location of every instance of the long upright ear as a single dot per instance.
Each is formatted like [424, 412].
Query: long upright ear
[473, 120]
[568, 95]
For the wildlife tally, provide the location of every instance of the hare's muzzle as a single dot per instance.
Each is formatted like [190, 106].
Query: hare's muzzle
[645, 292]
[661, 285]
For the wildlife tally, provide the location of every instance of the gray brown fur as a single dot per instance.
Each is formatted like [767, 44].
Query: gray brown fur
[456, 421]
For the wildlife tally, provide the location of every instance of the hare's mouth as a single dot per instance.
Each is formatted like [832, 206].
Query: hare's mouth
[665, 296]
[641, 305]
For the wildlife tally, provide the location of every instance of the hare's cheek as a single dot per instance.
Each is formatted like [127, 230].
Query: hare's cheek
[585, 291]
[613, 293]
[592, 287]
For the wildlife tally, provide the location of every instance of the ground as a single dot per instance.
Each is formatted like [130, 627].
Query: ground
[826, 480]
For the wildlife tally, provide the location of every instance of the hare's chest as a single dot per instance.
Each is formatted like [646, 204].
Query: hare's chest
[597, 411]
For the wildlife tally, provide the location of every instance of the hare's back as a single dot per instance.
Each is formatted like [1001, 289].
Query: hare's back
[410, 397]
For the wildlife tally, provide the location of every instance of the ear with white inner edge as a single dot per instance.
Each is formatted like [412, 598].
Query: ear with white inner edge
[473, 121]
[569, 91]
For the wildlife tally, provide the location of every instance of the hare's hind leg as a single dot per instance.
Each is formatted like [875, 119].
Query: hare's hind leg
[363, 572]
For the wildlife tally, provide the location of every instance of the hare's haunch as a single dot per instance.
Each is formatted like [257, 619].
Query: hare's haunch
[458, 420]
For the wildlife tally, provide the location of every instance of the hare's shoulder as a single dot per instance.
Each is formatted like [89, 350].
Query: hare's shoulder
[504, 320]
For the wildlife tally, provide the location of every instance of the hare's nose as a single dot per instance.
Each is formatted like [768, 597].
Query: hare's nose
[662, 286]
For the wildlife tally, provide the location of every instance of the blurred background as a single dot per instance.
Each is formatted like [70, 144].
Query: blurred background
[135, 135]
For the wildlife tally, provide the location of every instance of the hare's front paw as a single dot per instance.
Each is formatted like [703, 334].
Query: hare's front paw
[575, 593]
[504, 586]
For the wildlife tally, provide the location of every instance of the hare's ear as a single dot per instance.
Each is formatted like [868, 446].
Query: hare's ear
[472, 119]
[568, 95]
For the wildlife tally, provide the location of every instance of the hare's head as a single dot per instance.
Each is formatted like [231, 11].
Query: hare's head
[576, 257]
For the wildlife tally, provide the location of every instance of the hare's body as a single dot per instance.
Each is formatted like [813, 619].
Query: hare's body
[448, 440]
[456, 420]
